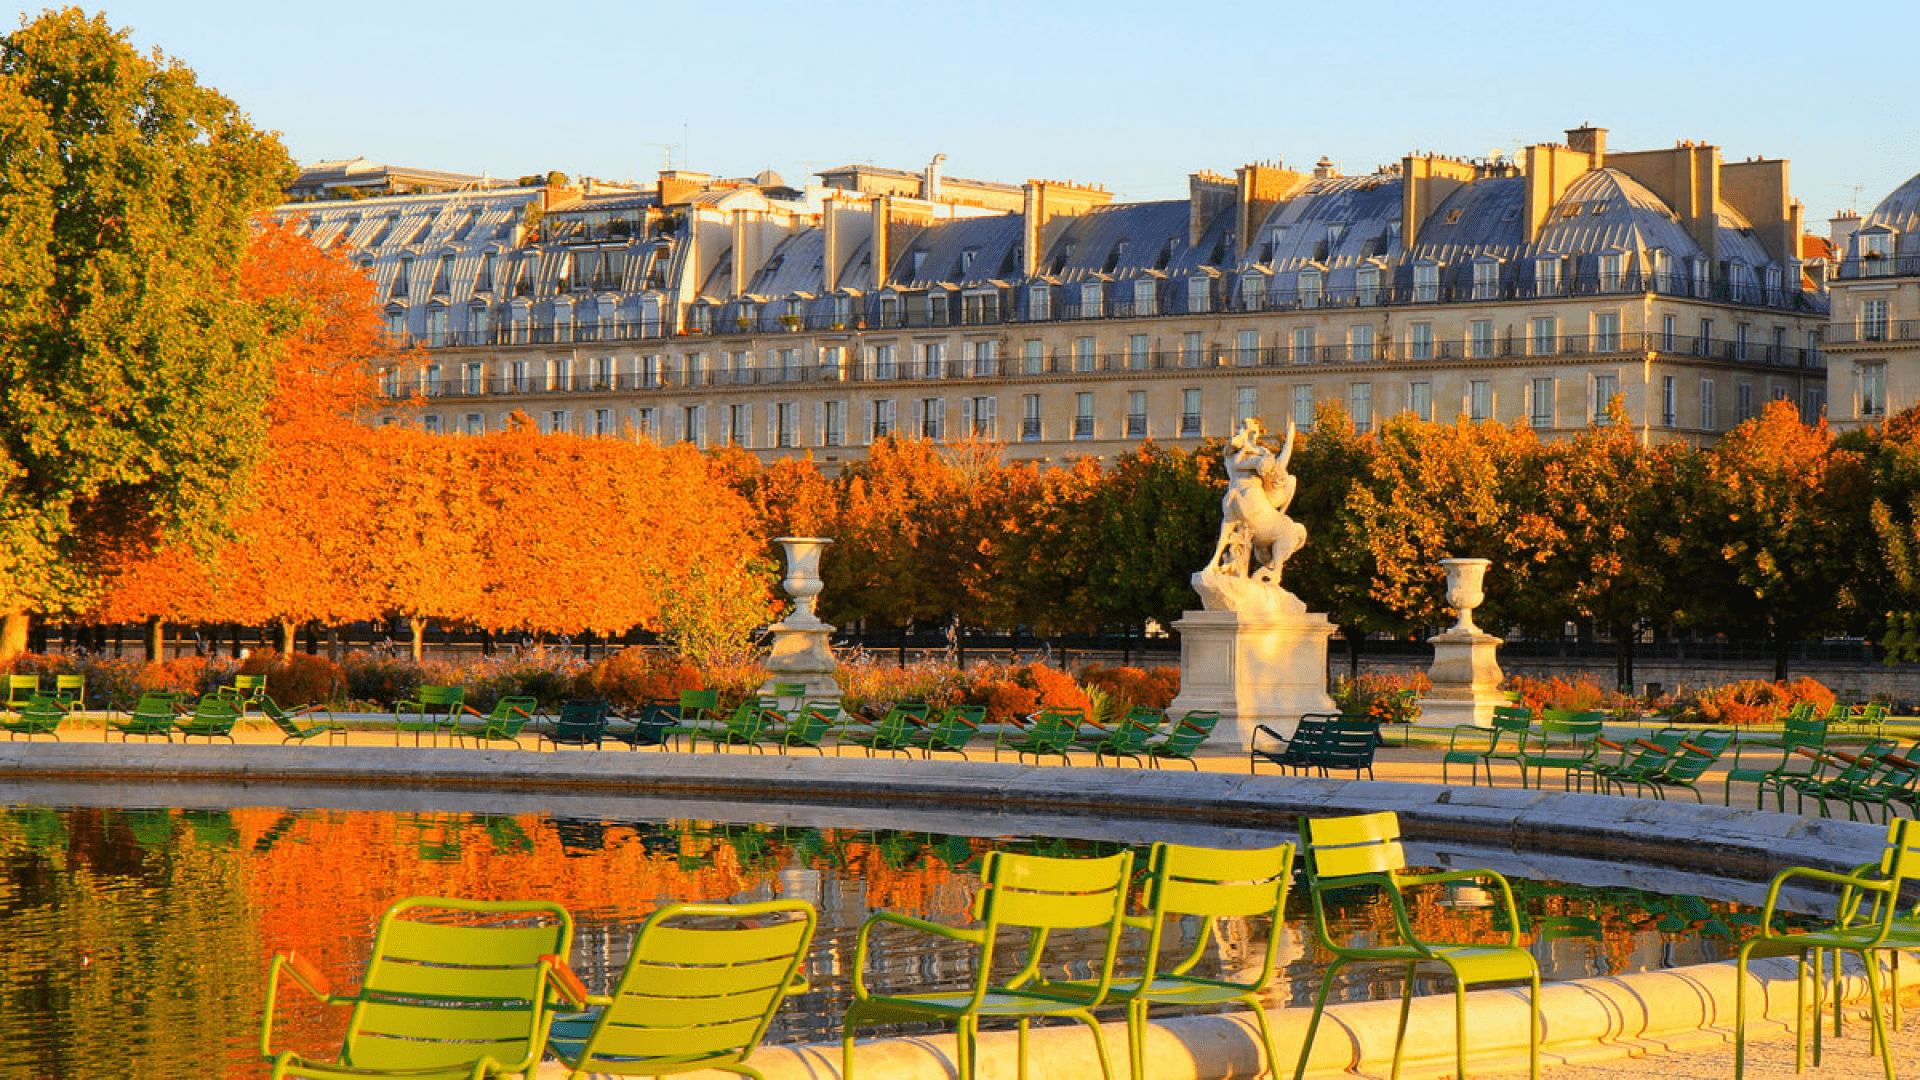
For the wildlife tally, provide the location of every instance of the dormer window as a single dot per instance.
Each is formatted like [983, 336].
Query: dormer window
[966, 260]
[1092, 299]
[1114, 256]
[1486, 278]
[1310, 288]
[1366, 285]
[1426, 282]
[1611, 278]
[1546, 276]
[1199, 294]
[1040, 302]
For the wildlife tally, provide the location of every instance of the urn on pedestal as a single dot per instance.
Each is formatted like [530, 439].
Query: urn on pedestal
[802, 652]
[1466, 664]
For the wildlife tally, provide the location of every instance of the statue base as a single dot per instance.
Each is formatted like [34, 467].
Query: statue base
[802, 653]
[1252, 669]
[1466, 680]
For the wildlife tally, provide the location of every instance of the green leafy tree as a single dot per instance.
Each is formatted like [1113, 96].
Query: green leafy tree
[1334, 572]
[1155, 518]
[133, 373]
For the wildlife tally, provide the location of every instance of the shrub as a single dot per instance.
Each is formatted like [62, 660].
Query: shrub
[1752, 701]
[1387, 697]
[633, 677]
[1131, 686]
[1008, 693]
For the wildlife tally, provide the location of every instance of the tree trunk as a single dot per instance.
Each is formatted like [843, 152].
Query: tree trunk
[156, 640]
[1354, 638]
[333, 644]
[1126, 644]
[418, 645]
[283, 638]
[1623, 645]
[233, 646]
[313, 638]
[1782, 644]
[903, 645]
[13, 634]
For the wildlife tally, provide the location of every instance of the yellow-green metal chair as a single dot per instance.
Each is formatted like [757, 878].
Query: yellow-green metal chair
[1211, 884]
[1878, 893]
[1030, 892]
[700, 987]
[431, 710]
[1364, 852]
[454, 989]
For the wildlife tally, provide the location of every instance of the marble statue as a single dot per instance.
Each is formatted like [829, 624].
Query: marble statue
[1256, 535]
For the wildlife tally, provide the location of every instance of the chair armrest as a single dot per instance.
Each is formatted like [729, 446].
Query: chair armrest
[952, 933]
[573, 989]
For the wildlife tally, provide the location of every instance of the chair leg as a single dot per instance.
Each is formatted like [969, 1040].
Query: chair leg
[1099, 1045]
[1313, 1023]
[1406, 1007]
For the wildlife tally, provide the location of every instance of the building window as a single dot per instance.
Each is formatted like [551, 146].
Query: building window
[1709, 406]
[1486, 279]
[1092, 300]
[1137, 414]
[1033, 357]
[740, 425]
[1546, 276]
[1360, 344]
[693, 425]
[1873, 320]
[1610, 276]
[430, 380]
[1138, 348]
[1420, 400]
[788, 361]
[1703, 345]
[1873, 389]
[474, 424]
[1480, 399]
[1360, 406]
[1426, 283]
[1604, 388]
[1743, 402]
[603, 423]
[473, 377]
[1146, 297]
[1303, 405]
[1540, 402]
[1420, 341]
[1666, 333]
[1606, 331]
[1249, 351]
[932, 418]
[1190, 349]
[1366, 285]
[978, 416]
[1083, 415]
[1310, 288]
[1040, 302]
[933, 359]
[558, 422]
[834, 424]
[1083, 354]
[1246, 404]
[883, 365]
[1030, 418]
[647, 422]
[986, 358]
[1669, 401]
[885, 418]
[1740, 331]
[1303, 340]
[1545, 331]
[1199, 295]
[784, 435]
[430, 423]
[1190, 427]
[1480, 338]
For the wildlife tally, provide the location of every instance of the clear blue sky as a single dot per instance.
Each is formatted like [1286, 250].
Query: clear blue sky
[1129, 95]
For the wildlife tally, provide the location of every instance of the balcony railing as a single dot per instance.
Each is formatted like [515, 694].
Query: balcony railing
[1883, 266]
[1067, 364]
[1870, 333]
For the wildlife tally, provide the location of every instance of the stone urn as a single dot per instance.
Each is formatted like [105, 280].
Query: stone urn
[1464, 577]
[802, 654]
[803, 575]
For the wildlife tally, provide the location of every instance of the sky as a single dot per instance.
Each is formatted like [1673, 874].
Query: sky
[1130, 96]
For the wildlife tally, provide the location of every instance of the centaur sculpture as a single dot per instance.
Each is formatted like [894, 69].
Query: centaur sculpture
[1256, 535]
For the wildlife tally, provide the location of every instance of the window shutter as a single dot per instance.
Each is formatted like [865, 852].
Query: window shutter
[966, 417]
[866, 429]
[919, 417]
[819, 423]
[992, 417]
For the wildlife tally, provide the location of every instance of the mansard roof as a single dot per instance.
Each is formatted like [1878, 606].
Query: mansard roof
[1899, 210]
[1332, 220]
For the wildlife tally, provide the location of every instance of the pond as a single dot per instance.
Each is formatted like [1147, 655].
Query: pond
[135, 940]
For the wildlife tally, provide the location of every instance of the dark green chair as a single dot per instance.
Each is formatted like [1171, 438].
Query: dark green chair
[1049, 733]
[652, 726]
[1130, 736]
[1033, 893]
[1851, 771]
[152, 716]
[431, 710]
[288, 721]
[808, 728]
[41, 715]
[1184, 739]
[744, 727]
[1511, 723]
[1772, 764]
[701, 984]
[958, 725]
[212, 718]
[582, 722]
[1684, 767]
[1363, 853]
[895, 731]
[1634, 756]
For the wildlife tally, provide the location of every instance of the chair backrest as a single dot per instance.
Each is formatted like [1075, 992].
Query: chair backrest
[1189, 732]
[811, 725]
[447, 697]
[1570, 729]
[1696, 755]
[1512, 717]
[280, 717]
[514, 707]
[1216, 883]
[42, 713]
[70, 688]
[1351, 846]
[1809, 731]
[698, 704]
[440, 993]
[700, 987]
[957, 724]
[21, 688]
[1042, 894]
[582, 719]
[1348, 743]
[156, 705]
[250, 684]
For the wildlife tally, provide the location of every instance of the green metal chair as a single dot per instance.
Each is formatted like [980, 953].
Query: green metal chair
[1682, 768]
[1809, 733]
[245, 690]
[502, 723]
[1364, 852]
[71, 690]
[21, 689]
[1565, 741]
[651, 726]
[1183, 739]
[808, 728]
[700, 987]
[1635, 755]
[787, 698]
[582, 722]
[697, 709]
[441, 1000]
[431, 710]
[895, 731]
[1130, 736]
[958, 725]
[1048, 733]
[152, 715]
[292, 730]
[1853, 770]
[1511, 723]
[41, 715]
[750, 718]
[1211, 885]
[1899, 863]
[1030, 892]
[213, 717]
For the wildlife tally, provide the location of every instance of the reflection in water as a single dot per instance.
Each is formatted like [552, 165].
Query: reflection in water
[135, 942]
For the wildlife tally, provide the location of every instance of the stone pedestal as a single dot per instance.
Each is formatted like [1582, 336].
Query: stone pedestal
[1466, 680]
[802, 651]
[1252, 669]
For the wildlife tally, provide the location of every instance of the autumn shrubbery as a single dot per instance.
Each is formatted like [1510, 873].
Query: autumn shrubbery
[1388, 697]
[634, 677]
[1751, 702]
[1152, 688]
